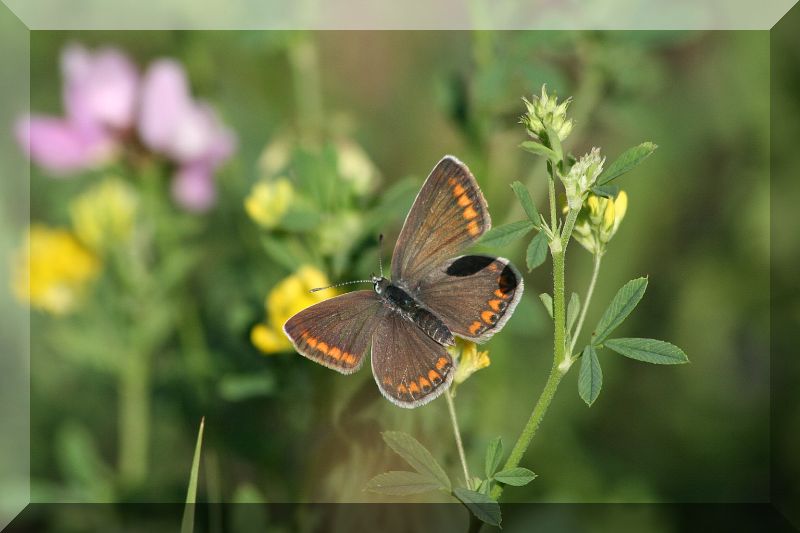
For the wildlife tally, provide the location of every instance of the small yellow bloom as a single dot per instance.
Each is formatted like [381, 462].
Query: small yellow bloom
[599, 221]
[467, 359]
[268, 201]
[51, 271]
[105, 215]
[288, 297]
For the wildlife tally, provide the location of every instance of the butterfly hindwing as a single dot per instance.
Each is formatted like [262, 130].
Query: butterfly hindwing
[474, 295]
[448, 215]
[410, 368]
[337, 332]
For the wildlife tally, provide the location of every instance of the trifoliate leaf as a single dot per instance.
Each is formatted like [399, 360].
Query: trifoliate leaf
[416, 455]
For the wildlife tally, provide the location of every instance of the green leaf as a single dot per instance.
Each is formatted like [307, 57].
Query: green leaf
[538, 149]
[573, 309]
[279, 252]
[537, 251]
[627, 161]
[620, 307]
[590, 378]
[417, 456]
[187, 524]
[607, 191]
[547, 301]
[482, 506]
[237, 387]
[507, 233]
[555, 144]
[494, 454]
[648, 350]
[402, 483]
[526, 201]
[517, 477]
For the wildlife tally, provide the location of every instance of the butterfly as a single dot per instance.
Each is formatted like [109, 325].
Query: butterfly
[434, 294]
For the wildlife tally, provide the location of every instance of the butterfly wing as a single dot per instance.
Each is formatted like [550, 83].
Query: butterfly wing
[336, 332]
[410, 368]
[448, 215]
[474, 295]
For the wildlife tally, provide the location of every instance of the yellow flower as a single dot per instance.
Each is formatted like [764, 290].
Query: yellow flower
[467, 359]
[268, 201]
[288, 297]
[104, 215]
[599, 221]
[52, 270]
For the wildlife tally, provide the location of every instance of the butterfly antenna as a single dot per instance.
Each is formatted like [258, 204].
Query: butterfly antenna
[380, 253]
[340, 284]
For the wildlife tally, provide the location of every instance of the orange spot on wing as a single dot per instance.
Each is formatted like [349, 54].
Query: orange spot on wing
[441, 363]
[351, 359]
[501, 294]
[473, 228]
[312, 342]
[413, 387]
[424, 383]
[433, 375]
[469, 213]
[495, 304]
[336, 353]
[464, 200]
[458, 190]
[323, 347]
[474, 327]
[488, 317]
[387, 381]
[401, 390]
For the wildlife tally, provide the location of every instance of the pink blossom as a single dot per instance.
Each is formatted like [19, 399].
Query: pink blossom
[60, 146]
[104, 100]
[193, 187]
[186, 131]
[100, 88]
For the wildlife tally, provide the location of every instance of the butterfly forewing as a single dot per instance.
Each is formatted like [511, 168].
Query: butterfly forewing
[337, 332]
[474, 295]
[448, 215]
[410, 368]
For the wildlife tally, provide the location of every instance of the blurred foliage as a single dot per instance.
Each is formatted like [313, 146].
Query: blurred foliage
[283, 429]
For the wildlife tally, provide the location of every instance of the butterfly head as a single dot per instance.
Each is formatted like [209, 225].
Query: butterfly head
[380, 283]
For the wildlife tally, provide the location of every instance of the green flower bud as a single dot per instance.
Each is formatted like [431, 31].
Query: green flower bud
[544, 112]
[582, 176]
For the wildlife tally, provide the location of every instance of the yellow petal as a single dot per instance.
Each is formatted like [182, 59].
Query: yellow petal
[268, 340]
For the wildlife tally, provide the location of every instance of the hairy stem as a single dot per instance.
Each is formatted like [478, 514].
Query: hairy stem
[452, 408]
[556, 372]
[588, 298]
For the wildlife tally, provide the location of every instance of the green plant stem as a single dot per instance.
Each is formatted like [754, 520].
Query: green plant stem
[551, 190]
[134, 419]
[588, 298]
[452, 408]
[304, 64]
[559, 368]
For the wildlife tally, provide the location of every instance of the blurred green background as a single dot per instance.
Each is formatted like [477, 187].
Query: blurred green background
[282, 429]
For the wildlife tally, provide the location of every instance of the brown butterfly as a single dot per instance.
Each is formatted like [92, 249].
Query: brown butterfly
[410, 320]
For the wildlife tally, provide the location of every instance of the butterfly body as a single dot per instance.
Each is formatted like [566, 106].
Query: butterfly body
[401, 302]
[434, 295]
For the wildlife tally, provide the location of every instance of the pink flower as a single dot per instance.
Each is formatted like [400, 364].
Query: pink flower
[104, 100]
[100, 100]
[100, 89]
[60, 146]
[186, 131]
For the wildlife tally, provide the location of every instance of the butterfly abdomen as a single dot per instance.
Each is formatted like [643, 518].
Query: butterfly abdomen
[410, 309]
